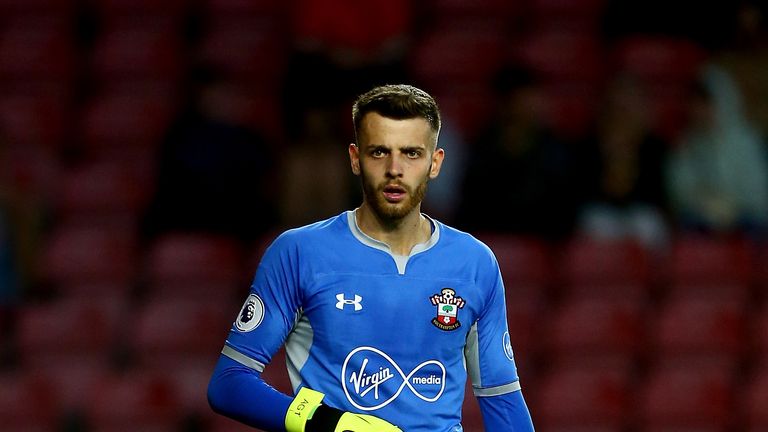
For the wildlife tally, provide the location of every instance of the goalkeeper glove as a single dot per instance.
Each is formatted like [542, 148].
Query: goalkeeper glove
[307, 414]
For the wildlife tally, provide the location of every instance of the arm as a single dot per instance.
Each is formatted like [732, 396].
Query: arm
[491, 363]
[236, 388]
[240, 393]
[506, 412]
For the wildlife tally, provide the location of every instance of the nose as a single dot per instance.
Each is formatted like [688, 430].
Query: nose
[394, 167]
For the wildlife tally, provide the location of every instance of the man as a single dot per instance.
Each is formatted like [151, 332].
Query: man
[383, 310]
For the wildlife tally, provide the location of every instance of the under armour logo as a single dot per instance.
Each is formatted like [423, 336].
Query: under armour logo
[342, 302]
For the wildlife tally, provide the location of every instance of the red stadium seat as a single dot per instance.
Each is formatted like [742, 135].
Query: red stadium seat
[668, 109]
[724, 291]
[596, 332]
[34, 120]
[119, 122]
[130, 51]
[112, 9]
[591, 262]
[659, 58]
[104, 187]
[197, 265]
[581, 15]
[262, 8]
[117, 291]
[30, 170]
[136, 400]
[525, 264]
[761, 269]
[705, 261]
[586, 10]
[467, 107]
[569, 109]
[72, 381]
[191, 380]
[90, 254]
[759, 332]
[700, 329]
[582, 399]
[498, 12]
[558, 55]
[686, 398]
[82, 331]
[219, 423]
[27, 403]
[169, 331]
[59, 8]
[526, 335]
[754, 400]
[248, 50]
[474, 54]
[37, 49]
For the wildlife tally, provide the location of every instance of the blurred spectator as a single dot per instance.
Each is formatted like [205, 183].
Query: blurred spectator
[705, 23]
[215, 173]
[25, 215]
[442, 201]
[342, 48]
[10, 291]
[9, 277]
[519, 176]
[9, 286]
[315, 177]
[718, 174]
[745, 57]
[621, 166]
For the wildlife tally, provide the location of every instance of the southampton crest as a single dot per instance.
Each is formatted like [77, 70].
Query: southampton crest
[448, 305]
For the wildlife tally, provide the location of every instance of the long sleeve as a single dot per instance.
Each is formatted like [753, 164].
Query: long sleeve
[505, 412]
[240, 393]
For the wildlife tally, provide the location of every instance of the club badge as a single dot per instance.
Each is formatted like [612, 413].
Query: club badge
[448, 305]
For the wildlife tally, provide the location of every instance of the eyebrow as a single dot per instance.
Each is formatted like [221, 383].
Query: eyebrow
[406, 148]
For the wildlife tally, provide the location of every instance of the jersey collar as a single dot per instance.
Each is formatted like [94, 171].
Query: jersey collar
[400, 260]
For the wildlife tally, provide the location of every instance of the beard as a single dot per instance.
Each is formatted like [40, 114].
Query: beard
[374, 195]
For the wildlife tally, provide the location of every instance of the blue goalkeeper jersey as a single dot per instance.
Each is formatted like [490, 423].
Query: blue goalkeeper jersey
[381, 334]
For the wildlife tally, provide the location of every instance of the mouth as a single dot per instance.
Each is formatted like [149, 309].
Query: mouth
[394, 193]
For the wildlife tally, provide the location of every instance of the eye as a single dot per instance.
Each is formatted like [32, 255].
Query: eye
[377, 153]
[413, 154]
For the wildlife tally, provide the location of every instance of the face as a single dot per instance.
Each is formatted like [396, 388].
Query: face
[395, 159]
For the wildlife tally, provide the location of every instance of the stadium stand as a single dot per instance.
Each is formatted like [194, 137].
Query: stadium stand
[608, 336]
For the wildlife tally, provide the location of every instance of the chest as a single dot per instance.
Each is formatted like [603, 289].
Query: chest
[392, 309]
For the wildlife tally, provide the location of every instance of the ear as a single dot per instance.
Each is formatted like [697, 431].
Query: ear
[354, 158]
[437, 162]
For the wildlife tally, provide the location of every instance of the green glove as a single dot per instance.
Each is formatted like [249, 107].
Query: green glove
[307, 414]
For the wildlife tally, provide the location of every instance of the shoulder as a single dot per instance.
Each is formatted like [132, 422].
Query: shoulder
[469, 246]
[309, 235]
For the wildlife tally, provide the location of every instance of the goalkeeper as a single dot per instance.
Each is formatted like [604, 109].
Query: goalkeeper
[384, 312]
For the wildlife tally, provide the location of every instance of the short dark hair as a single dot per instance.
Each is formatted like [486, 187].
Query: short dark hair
[396, 101]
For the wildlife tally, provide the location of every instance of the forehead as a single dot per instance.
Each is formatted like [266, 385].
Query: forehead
[376, 129]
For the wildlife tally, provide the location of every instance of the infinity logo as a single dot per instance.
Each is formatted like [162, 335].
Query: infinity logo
[364, 381]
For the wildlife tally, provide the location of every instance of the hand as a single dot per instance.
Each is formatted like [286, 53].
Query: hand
[351, 422]
[307, 414]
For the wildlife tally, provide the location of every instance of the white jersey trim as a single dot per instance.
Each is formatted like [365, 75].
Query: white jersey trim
[496, 391]
[297, 347]
[400, 260]
[242, 358]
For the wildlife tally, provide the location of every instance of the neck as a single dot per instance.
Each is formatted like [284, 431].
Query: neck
[400, 234]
